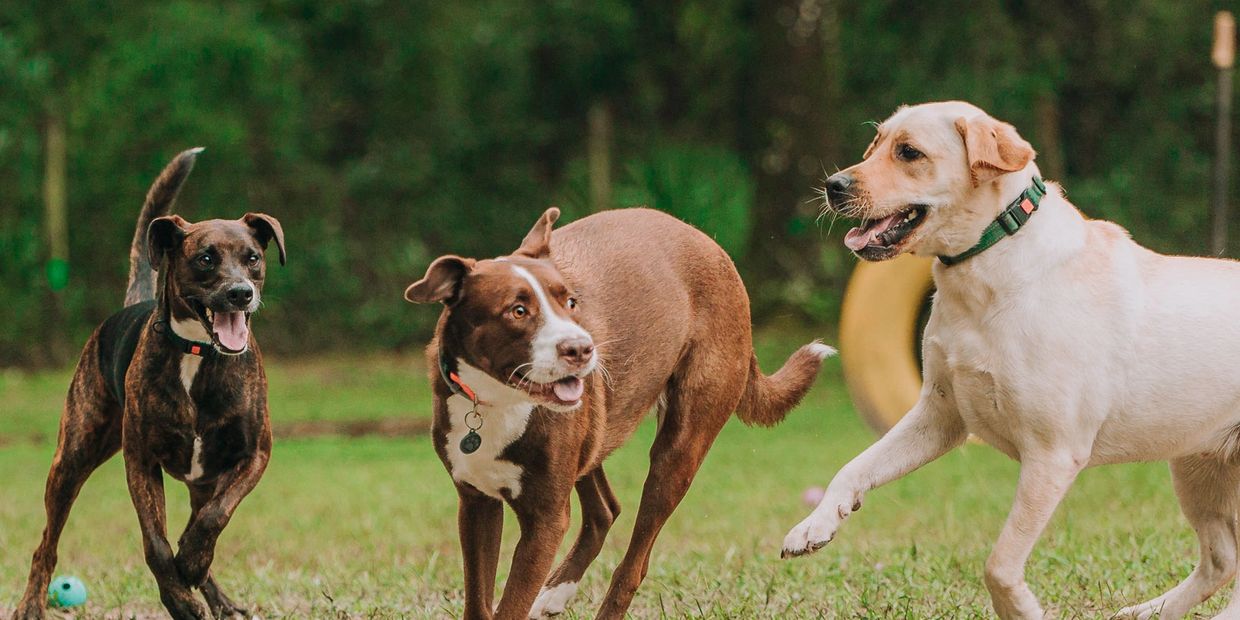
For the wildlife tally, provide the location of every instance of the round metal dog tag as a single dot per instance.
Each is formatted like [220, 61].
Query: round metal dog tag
[470, 442]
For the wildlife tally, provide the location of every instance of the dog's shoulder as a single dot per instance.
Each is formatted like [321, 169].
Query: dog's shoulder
[118, 337]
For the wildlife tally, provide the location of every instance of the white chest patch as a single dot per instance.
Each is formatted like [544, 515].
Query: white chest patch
[195, 461]
[504, 418]
[189, 370]
[190, 330]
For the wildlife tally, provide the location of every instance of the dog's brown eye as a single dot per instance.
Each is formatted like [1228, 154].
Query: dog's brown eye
[253, 259]
[908, 153]
[519, 311]
[572, 303]
[205, 261]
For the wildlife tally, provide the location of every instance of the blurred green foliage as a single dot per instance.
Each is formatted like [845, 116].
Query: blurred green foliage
[383, 133]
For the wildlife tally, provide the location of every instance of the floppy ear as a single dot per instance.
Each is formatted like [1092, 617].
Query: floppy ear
[162, 235]
[993, 147]
[265, 229]
[537, 243]
[442, 281]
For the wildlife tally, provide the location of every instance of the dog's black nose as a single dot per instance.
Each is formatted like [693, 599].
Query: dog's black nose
[241, 294]
[838, 185]
[576, 350]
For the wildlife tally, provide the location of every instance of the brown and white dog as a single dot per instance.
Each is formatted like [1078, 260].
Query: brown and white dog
[546, 360]
[1053, 337]
[175, 380]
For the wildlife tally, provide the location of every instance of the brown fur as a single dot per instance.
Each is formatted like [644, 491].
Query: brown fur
[671, 319]
[158, 420]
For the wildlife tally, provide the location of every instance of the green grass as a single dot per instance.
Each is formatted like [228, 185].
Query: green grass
[366, 527]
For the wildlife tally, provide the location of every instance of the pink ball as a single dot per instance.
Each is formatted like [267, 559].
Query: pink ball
[813, 495]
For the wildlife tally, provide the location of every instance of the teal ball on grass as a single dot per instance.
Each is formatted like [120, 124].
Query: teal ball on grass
[66, 592]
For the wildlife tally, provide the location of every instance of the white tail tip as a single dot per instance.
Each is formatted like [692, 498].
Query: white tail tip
[821, 350]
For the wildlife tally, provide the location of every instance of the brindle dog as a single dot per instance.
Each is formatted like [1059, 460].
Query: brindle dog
[176, 381]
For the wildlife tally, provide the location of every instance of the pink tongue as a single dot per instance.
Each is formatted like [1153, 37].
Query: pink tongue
[231, 330]
[569, 390]
[859, 237]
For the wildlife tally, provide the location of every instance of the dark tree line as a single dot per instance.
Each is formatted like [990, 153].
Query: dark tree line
[383, 133]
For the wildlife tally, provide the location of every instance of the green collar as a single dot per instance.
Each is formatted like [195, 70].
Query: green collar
[1009, 221]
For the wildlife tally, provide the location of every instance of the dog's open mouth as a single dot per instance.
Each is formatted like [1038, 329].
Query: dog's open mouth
[886, 232]
[230, 331]
[567, 391]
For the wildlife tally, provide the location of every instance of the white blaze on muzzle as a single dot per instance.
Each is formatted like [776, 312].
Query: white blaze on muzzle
[544, 350]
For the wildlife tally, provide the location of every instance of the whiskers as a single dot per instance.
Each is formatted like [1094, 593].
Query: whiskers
[601, 367]
[522, 380]
[856, 206]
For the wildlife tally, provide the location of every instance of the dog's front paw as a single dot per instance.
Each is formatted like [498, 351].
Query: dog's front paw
[29, 611]
[183, 606]
[553, 600]
[1144, 611]
[809, 536]
[819, 528]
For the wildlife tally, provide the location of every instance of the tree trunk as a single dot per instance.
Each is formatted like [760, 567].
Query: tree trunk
[599, 150]
[787, 137]
[57, 228]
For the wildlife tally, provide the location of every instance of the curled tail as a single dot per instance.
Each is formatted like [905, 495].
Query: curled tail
[159, 201]
[767, 400]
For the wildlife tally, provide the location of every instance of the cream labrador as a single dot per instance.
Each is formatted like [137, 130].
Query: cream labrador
[1053, 337]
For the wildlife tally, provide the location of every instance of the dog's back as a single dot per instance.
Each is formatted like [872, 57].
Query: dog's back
[659, 292]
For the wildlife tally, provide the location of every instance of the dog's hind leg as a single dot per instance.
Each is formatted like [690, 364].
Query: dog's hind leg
[1208, 489]
[599, 509]
[90, 433]
[694, 416]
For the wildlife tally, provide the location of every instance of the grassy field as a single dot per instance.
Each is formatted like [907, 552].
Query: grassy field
[365, 527]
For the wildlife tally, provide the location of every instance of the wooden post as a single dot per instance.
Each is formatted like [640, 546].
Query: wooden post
[56, 223]
[54, 203]
[1224, 56]
[599, 156]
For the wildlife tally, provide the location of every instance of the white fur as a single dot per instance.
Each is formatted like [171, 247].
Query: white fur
[189, 369]
[821, 351]
[195, 462]
[1065, 346]
[552, 330]
[505, 414]
[190, 330]
[553, 601]
[660, 408]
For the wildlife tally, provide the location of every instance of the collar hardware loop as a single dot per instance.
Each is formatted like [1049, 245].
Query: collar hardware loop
[1010, 220]
[473, 418]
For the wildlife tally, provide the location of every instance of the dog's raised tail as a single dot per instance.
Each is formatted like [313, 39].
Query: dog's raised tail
[767, 400]
[159, 201]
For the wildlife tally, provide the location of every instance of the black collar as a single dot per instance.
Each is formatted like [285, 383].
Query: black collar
[447, 370]
[189, 347]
